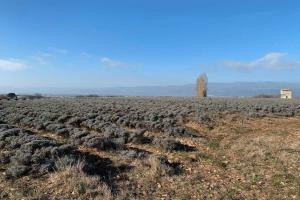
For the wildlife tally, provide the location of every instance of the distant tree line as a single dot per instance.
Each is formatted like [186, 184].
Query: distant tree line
[13, 96]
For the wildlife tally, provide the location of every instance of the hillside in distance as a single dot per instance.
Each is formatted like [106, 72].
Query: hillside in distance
[234, 89]
[237, 89]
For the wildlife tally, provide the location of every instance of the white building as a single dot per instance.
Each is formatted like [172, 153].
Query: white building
[286, 93]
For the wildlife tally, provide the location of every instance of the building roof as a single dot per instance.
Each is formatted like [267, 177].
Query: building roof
[285, 89]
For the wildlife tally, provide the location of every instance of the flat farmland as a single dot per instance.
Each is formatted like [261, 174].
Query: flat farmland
[149, 148]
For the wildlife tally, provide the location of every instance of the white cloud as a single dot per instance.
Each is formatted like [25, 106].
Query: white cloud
[44, 54]
[85, 54]
[108, 62]
[58, 50]
[12, 64]
[273, 60]
[42, 58]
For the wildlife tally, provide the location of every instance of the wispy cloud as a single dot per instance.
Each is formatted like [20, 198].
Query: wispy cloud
[12, 64]
[273, 60]
[85, 54]
[37, 59]
[108, 62]
[42, 58]
[44, 54]
[58, 50]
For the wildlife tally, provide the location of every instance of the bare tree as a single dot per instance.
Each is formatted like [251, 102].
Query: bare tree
[201, 86]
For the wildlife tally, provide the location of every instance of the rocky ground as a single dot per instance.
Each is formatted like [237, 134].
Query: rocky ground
[149, 148]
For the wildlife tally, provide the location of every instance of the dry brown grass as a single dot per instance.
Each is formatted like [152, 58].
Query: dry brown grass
[157, 166]
[238, 159]
[69, 181]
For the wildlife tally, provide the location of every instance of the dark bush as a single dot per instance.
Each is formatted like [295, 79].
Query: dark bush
[172, 145]
[16, 171]
[12, 96]
[102, 144]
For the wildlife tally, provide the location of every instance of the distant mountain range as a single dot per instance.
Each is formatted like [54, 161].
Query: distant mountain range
[235, 89]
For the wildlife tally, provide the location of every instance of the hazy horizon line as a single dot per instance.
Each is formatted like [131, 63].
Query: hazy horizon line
[167, 85]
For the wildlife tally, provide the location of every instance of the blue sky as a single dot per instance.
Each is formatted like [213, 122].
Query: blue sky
[68, 43]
